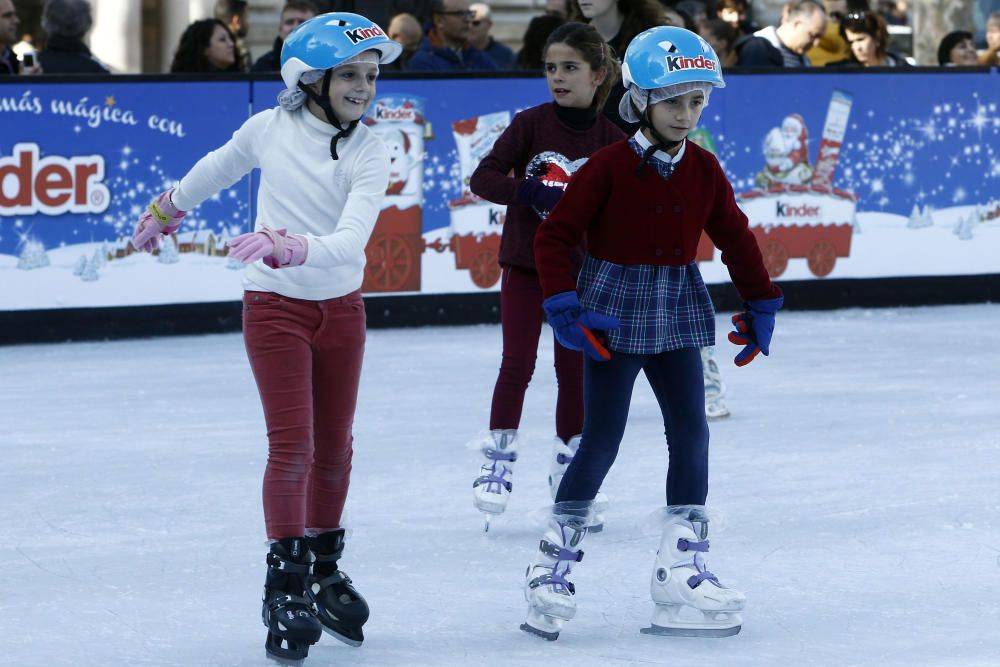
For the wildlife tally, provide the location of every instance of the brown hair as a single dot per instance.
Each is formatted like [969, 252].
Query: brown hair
[868, 23]
[585, 40]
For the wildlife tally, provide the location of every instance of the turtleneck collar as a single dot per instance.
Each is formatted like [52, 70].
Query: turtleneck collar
[574, 118]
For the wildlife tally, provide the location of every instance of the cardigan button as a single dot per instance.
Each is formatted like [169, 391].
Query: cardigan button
[677, 209]
[677, 252]
[659, 209]
[659, 252]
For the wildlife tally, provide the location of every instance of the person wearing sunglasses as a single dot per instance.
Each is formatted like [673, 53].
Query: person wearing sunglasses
[445, 47]
[480, 37]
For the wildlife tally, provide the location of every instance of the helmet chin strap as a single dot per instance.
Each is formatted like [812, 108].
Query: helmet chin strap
[659, 141]
[322, 100]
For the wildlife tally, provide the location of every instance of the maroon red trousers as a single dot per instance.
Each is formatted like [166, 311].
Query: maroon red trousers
[306, 358]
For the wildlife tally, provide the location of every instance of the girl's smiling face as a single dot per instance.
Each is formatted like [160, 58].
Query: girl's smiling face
[675, 118]
[571, 80]
[352, 89]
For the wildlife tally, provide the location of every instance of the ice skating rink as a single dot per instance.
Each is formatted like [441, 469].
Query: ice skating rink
[857, 483]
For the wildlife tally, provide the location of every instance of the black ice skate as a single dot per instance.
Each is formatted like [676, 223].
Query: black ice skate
[292, 626]
[340, 607]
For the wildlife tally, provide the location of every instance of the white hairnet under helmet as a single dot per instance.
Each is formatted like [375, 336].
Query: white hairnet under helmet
[665, 62]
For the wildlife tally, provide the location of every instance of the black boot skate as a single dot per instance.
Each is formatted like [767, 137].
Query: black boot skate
[340, 607]
[292, 626]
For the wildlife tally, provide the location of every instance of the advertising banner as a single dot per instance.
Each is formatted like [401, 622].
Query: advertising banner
[842, 176]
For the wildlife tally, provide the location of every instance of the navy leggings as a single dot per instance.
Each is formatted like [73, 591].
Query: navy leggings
[676, 379]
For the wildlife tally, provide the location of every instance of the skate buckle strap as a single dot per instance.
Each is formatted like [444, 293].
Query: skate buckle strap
[695, 579]
[555, 580]
[562, 459]
[684, 544]
[276, 562]
[278, 603]
[559, 553]
[493, 479]
[497, 455]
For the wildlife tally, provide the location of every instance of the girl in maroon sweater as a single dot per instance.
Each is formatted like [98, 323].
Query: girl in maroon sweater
[641, 205]
[528, 169]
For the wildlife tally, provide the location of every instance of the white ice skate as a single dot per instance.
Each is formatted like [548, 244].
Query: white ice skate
[715, 389]
[690, 601]
[562, 454]
[491, 490]
[548, 592]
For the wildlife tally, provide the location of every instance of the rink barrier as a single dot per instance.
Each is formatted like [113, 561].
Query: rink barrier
[803, 94]
[80, 324]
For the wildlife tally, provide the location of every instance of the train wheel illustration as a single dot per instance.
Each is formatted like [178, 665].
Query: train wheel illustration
[390, 263]
[485, 269]
[821, 259]
[775, 258]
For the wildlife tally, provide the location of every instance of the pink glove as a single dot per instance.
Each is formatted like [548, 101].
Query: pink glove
[160, 217]
[277, 248]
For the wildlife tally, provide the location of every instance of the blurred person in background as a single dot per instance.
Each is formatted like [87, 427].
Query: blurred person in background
[677, 17]
[233, 13]
[293, 14]
[736, 13]
[957, 49]
[558, 8]
[722, 37]
[405, 29]
[867, 36]
[990, 55]
[803, 24]
[381, 11]
[894, 12]
[618, 22]
[831, 46]
[445, 47]
[9, 22]
[480, 38]
[66, 22]
[207, 46]
[533, 42]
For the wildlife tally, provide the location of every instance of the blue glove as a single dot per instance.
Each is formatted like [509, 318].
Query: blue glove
[543, 198]
[754, 327]
[576, 328]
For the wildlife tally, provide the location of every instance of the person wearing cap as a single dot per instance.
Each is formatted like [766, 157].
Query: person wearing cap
[639, 207]
[323, 176]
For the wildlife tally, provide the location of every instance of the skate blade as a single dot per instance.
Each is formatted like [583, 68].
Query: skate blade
[350, 641]
[542, 625]
[277, 652]
[682, 621]
[547, 636]
[690, 632]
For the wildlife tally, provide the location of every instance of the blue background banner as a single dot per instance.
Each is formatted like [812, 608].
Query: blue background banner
[852, 175]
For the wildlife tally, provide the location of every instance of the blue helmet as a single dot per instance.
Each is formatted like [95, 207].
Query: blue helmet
[327, 40]
[666, 55]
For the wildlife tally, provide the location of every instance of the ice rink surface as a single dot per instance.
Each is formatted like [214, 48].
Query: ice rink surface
[857, 486]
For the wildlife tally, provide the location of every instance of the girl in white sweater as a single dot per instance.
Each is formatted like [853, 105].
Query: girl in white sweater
[323, 176]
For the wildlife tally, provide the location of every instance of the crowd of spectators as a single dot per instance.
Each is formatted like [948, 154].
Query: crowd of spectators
[456, 36]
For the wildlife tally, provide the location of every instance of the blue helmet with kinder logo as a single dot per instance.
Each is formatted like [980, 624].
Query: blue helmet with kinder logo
[665, 56]
[328, 40]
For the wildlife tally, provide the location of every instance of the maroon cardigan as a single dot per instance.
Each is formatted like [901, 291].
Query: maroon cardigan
[501, 172]
[648, 220]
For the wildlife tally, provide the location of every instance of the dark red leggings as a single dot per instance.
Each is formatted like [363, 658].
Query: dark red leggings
[306, 358]
[521, 322]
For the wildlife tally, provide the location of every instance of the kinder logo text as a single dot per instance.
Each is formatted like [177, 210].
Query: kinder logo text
[52, 185]
[361, 34]
[785, 210]
[395, 114]
[677, 63]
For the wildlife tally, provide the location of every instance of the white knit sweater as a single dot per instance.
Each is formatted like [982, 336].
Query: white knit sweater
[334, 204]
